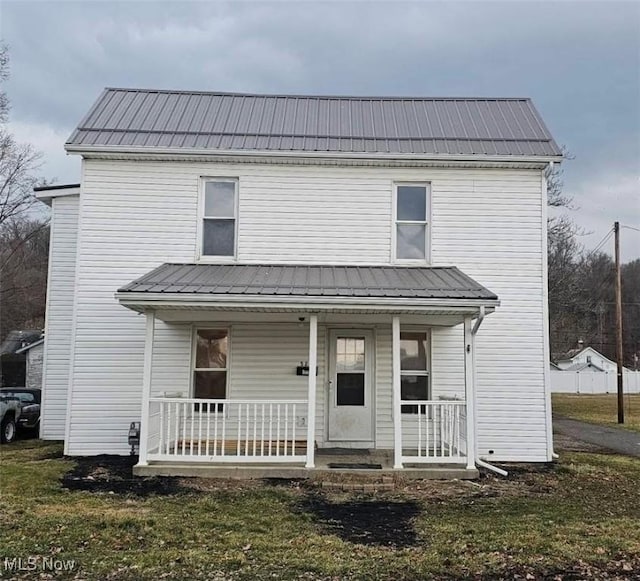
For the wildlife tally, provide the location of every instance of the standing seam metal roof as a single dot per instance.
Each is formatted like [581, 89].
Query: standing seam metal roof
[311, 280]
[230, 121]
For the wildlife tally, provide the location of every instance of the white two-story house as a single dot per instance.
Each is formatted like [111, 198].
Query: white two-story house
[259, 279]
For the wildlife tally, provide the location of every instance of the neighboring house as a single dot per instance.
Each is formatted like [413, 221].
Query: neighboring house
[21, 359]
[585, 370]
[257, 279]
[585, 359]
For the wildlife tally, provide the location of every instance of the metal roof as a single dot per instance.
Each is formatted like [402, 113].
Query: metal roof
[311, 281]
[187, 120]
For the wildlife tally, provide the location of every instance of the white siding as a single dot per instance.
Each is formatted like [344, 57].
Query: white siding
[171, 365]
[263, 364]
[489, 224]
[384, 398]
[137, 215]
[58, 326]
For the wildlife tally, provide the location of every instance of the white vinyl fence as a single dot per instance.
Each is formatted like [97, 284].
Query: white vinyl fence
[593, 381]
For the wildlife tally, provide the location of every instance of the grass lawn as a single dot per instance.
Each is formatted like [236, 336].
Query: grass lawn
[598, 409]
[580, 517]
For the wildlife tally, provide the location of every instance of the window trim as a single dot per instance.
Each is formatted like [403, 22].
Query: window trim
[193, 368]
[426, 222]
[419, 372]
[209, 258]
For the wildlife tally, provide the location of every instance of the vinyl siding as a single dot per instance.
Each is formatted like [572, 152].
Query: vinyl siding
[492, 229]
[137, 215]
[58, 326]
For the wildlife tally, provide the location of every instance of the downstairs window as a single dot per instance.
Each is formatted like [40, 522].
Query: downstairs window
[414, 369]
[210, 373]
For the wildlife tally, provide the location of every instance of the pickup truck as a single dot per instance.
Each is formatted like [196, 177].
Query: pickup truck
[10, 410]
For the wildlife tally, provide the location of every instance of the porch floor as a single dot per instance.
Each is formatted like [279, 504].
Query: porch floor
[330, 461]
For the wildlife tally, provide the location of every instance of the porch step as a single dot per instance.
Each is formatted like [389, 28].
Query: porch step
[262, 471]
[200, 470]
[431, 472]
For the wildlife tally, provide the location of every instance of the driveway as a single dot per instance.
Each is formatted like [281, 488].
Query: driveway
[615, 439]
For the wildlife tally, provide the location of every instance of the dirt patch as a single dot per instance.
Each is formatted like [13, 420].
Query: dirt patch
[364, 521]
[114, 474]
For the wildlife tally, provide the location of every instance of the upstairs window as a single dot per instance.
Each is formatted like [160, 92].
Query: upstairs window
[411, 222]
[219, 219]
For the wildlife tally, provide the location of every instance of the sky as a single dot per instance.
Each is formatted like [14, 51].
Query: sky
[578, 61]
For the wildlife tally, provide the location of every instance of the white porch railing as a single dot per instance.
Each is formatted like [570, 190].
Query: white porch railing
[227, 430]
[436, 433]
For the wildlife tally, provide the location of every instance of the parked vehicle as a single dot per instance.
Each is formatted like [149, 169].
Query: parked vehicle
[29, 404]
[10, 410]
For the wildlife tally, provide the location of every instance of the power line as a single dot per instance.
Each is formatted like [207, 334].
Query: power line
[601, 243]
[566, 274]
[630, 227]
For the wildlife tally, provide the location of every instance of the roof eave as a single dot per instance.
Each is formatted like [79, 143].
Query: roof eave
[30, 346]
[132, 150]
[141, 301]
[46, 194]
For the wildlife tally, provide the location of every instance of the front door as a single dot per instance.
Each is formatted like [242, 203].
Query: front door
[351, 387]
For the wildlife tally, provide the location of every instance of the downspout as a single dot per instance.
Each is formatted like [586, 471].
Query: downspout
[480, 461]
[491, 467]
[478, 321]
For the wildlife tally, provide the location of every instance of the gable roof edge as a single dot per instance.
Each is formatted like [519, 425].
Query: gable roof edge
[313, 155]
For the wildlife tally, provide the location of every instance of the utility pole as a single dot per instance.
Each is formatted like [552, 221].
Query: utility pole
[619, 352]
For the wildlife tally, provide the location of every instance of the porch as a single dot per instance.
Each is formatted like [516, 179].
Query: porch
[283, 419]
[265, 432]
[369, 464]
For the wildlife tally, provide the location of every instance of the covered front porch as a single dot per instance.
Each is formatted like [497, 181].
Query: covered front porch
[380, 398]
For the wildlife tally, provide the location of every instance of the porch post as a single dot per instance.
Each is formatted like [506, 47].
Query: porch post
[146, 387]
[397, 407]
[311, 397]
[469, 389]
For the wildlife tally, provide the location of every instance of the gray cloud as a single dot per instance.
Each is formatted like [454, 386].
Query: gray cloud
[580, 62]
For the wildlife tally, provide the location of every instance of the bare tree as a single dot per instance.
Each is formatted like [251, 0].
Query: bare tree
[4, 75]
[560, 227]
[24, 250]
[19, 162]
[23, 237]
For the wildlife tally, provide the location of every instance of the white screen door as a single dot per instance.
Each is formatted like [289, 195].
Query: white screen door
[350, 386]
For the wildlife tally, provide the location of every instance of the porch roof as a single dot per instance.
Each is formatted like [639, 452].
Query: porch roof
[220, 285]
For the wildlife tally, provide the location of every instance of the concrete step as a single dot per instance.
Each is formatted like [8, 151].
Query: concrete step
[261, 471]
